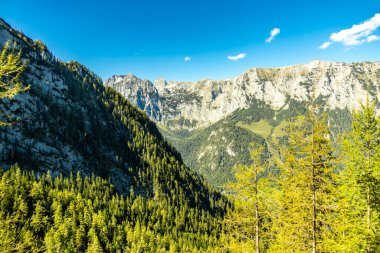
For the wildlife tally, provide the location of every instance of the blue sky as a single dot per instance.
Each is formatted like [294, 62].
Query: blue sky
[152, 38]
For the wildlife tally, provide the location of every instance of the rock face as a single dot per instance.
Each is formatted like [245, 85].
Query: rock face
[183, 105]
[69, 122]
[27, 108]
[212, 123]
[142, 93]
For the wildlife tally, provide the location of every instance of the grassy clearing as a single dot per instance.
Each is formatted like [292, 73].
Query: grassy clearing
[261, 127]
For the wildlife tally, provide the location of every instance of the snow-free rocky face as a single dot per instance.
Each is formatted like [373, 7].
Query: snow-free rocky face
[196, 117]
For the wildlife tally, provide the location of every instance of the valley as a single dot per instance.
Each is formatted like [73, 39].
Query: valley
[212, 123]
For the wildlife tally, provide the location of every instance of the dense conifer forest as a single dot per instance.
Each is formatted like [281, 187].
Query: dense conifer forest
[39, 213]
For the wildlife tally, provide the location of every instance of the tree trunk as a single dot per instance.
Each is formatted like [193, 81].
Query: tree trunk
[368, 216]
[314, 220]
[368, 196]
[313, 188]
[257, 229]
[257, 237]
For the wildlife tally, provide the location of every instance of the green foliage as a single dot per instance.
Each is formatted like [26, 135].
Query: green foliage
[111, 135]
[305, 202]
[246, 224]
[41, 46]
[205, 150]
[75, 214]
[262, 127]
[313, 203]
[158, 204]
[360, 184]
[305, 182]
[11, 68]
[259, 124]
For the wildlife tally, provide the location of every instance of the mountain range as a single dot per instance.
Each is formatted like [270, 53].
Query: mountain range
[212, 123]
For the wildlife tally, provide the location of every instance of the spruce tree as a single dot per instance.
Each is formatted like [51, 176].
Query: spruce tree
[361, 178]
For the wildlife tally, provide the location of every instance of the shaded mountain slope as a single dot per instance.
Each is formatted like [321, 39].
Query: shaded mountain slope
[69, 122]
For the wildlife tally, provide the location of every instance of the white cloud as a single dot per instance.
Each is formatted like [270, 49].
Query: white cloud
[372, 38]
[357, 34]
[275, 31]
[236, 57]
[187, 58]
[325, 45]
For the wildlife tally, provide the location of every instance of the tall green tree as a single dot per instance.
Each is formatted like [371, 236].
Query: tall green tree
[305, 183]
[245, 223]
[361, 178]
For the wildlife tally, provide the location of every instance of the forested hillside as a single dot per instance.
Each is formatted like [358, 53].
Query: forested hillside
[76, 214]
[66, 123]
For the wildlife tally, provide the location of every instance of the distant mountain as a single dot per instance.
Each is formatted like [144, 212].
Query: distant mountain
[213, 122]
[68, 122]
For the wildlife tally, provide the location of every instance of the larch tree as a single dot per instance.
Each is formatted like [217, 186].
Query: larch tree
[245, 223]
[11, 68]
[305, 182]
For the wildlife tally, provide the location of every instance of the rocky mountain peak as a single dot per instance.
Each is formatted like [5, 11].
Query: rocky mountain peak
[160, 82]
[140, 92]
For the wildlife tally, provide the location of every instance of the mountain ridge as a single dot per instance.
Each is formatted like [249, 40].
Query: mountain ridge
[202, 119]
[267, 84]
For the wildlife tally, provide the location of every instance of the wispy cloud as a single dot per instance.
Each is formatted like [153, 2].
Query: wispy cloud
[187, 58]
[372, 38]
[325, 45]
[273, 33]
[236, 57]
[357, 34]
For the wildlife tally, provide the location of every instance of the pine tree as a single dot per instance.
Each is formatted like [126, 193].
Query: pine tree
[94, 246]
